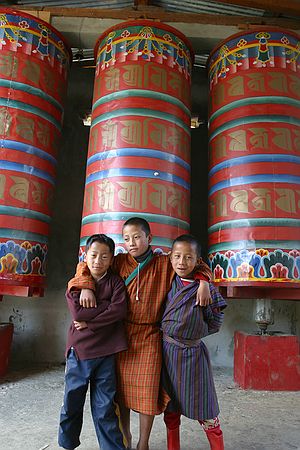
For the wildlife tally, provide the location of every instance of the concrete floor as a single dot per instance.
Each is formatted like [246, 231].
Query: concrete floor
[30, 401]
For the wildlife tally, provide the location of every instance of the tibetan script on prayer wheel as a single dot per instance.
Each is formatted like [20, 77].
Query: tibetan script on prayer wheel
[254, 178]
[34, 64]
[139, 149]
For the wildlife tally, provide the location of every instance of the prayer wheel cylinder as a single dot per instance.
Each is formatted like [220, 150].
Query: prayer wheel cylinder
[254, 178]
[34, 63]
[139, 149]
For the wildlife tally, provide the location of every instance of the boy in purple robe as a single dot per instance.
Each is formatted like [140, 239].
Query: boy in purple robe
[187, 373]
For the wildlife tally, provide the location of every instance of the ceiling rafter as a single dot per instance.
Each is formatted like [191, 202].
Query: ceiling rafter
[160, 14]
[288, 8]
[138, 3]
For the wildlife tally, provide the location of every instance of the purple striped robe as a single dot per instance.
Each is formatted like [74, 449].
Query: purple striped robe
[187, 373]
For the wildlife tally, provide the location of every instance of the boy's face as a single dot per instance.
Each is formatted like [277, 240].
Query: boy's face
[98, 259]
[184, 258]
[135, 239]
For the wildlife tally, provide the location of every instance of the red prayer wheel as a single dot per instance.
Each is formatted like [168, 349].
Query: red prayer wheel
[139, 149]
[254, 178]
[34, 64]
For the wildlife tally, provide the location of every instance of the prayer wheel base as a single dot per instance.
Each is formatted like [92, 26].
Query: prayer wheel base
[266, 362]
[21, 291]
[274, 292]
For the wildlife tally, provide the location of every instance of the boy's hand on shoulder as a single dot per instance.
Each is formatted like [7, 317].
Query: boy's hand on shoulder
[80, 325]
[87, 298]
[203, 297]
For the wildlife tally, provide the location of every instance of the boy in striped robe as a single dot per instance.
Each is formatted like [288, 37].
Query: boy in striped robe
[187, 373]
[148, 278]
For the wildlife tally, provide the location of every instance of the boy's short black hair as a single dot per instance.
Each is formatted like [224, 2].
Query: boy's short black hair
[139, 222]
[102, 239]
[191, 240]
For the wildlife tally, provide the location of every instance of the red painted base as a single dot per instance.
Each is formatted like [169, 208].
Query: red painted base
[266, 362]
[21, 291]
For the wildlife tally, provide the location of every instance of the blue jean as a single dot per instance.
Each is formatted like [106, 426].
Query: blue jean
[99, 373]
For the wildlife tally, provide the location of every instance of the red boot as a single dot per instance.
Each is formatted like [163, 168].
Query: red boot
[173, 439]
[172, 421]
[215, 438]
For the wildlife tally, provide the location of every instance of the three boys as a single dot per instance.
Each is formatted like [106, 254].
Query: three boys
[148, 279]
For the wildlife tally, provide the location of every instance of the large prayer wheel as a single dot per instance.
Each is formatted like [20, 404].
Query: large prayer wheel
[254, 178]
[139, 150]
[34, 63]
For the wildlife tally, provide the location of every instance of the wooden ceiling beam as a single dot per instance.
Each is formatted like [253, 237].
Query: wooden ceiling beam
[139, 3]
[288, 8]
[165, 16]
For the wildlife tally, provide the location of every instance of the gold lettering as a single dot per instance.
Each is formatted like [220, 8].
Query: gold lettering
[278, 81]
[158, 198]
[38, 194]
[131, 133]
[158, 76]
[238, 141]
[286, 201]
[31, 71]
[221, 204]
[240, 201]
[174, 139]
[106, 195]
[25, 128]
[5, 121]
[283, 138]
[2, 185]
[175, 83]
[218, 95]
[295, 84]
[43, 134]
[89, 198]
[129, 196]
[49, 81]
[220, 147]
[9, 65]
[178, 201]
[112, 79]
[256, 83]
[109, 134]
[297, 140]
[262, 201]
[20, 189]
[93, 144]
[159, 135]
[236, 86]
[260, 138]
[133, 75]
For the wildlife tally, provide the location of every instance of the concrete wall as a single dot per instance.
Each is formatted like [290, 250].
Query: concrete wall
[41, 324]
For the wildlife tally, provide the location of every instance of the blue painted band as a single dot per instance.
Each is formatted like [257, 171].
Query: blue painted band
[264, 178]
[30, 149]
[142, 152]
[253, 159]
[6, 165]
[137, 173]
